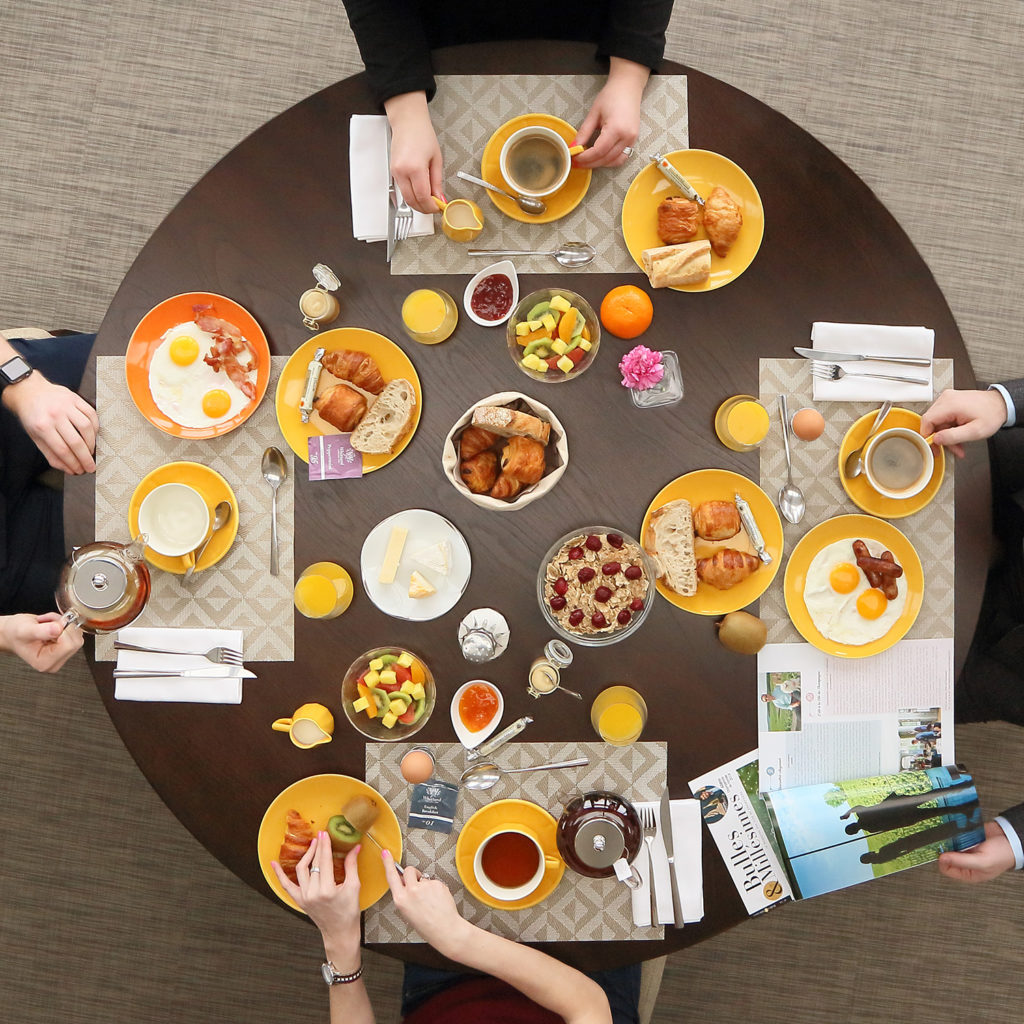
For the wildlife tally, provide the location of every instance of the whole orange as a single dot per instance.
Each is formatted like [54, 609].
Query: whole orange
[626, 311]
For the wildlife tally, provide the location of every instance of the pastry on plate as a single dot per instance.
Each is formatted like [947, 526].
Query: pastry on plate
[480, 472]
[358, 367]
[341, 406]
[727, 567]
[723, 219]
[678, 219]
[523, 459]
[669, 266]
[716, 520]
[474, 440]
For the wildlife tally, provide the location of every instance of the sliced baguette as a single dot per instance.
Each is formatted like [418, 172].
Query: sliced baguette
[509, 423]
[668, 539]
[673, 265]
[388, 420]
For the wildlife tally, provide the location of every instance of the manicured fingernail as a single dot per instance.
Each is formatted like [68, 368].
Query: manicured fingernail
[384, 854]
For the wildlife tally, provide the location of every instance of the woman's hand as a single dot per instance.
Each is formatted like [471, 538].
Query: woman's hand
[427, 904]
[958, 416]
[39, 640]
[614, 117]
[983, 862]
[416, 162]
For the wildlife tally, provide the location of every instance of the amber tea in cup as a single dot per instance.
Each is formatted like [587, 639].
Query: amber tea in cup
[510, 863]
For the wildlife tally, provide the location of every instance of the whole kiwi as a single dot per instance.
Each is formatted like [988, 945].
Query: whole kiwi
[361, 812]
[742, 632]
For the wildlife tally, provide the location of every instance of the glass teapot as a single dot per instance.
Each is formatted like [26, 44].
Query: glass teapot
[599, 835]
[104, 585]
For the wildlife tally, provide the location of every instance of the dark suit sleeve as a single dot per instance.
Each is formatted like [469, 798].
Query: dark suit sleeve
[1015, 818]
[635, 30]
[1015, 388]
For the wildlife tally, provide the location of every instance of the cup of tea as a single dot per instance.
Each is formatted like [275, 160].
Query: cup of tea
[461, 219]
[535, 161]
[311, 725]
[176, 518]
[898, 462]
[510, 863]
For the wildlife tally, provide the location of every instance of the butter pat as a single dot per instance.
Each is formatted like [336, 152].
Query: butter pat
[396, 542]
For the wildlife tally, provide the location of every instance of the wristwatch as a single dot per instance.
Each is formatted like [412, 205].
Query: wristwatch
[333, 977]
[14, 370]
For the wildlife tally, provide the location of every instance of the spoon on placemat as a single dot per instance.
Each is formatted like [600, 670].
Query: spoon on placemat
[525, 203]
[791, 498]
[275, 471]
[221, 515]
[484, 776]
[569, 254]
[854, 465]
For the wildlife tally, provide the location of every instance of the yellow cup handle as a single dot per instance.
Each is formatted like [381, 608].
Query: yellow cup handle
[441, 204]
[282, 725]
[551, 863]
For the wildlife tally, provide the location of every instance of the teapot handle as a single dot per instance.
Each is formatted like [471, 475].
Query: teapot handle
[69, 618]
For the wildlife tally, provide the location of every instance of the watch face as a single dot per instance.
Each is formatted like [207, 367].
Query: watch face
[328, 973]
[14, 370]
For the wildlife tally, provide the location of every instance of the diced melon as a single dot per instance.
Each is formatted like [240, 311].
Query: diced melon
[398, 706]
[377, 664]
[388, 721]
[408, 686]
[405, 659]
[559, 346]
[523, 327]
[418, 693]
[388, 676]
[360, 705]
[534, 325]
[372, 678]
[548, 321]
[585, 345]
[565, 364]
[561, 303]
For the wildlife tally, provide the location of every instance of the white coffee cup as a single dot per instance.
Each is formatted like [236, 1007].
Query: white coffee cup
[898, 462]
[540, 181]
[176, 517]
[510, 893]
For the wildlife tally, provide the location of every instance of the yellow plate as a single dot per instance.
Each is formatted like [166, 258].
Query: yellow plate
[703, 170]
[318, 799]
[866, 528]
[564, 201]
[494, 815]
[393, 362]
[862, 494]
[705, 485]
[214, 489]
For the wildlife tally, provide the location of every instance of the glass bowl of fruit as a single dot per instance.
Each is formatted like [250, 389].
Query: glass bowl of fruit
[388, 693]
[595, 586]
[553, 335]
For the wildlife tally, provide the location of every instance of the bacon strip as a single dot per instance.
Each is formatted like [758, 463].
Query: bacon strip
[228, 344]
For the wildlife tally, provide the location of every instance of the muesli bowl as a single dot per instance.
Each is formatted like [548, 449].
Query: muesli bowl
[563, 593]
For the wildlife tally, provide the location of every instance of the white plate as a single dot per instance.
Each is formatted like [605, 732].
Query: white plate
[505, 267]
[471, 740]
[425, 528]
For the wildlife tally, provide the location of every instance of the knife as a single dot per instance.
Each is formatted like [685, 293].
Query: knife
[666, 833]
[392, 200]
[750, 525]
[844, 357]
[213, 672]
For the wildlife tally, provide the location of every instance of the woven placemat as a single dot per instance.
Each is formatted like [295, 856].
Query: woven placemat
[816, 472]
[225, 595]
[466, 112]
[580, 909]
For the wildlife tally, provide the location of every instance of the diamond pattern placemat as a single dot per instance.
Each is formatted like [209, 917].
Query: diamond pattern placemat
[816, 472]
[239, 589]
[580, 909]
[466, 112]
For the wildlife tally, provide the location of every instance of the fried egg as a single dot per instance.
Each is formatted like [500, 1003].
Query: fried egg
[184, 388]
[842, 603]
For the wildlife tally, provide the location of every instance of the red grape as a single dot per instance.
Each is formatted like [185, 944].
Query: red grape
[623, 617]
[633, 572]
[637, 604]
[610, 568]
[557, 602]
[586, 574]
[615, 539]
[561, 586]
[593, 542]
[598, 620]
[575, 553]
[602, 593]
[575, 616]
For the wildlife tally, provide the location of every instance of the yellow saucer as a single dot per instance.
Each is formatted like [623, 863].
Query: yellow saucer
[508, 812]
[318, 798]
[852, 527]
[214, 489]
[703, 170]
[564, 201]
[862, 494]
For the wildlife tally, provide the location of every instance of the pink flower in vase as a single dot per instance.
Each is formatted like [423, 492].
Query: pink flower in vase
[641, 368]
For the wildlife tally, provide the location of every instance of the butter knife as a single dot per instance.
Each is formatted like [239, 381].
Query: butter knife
[392, 198]
[666, 834]
[212, 672]
[750, 525]
[846, 357]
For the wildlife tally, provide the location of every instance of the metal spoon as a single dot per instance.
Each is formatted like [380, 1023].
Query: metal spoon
[525, 203]
[571, 254]
[854, 465]
[275, 471]
[221, 515]
[791, 498]
[484, 776]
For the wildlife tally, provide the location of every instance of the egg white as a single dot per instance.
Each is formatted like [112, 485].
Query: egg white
[178, 390]
[835, 615]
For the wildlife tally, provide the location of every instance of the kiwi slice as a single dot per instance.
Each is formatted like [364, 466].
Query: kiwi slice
[539, 310]
[389, 659]
[360, 813]
[343, 834]
[421, 703]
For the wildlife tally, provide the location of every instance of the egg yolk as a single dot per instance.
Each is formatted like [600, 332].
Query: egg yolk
[844, 578]
[871, 603]
[183, 350]
[216, 402]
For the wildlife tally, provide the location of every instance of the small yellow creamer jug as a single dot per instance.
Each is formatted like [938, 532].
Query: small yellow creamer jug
[461, 219]
[311, 725]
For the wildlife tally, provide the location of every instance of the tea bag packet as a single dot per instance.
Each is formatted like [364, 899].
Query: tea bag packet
[433, 806]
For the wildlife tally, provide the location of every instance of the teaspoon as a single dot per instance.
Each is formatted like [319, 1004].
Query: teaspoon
[275, 470]
[791, 498]
[221, 515]
[570, 254]
[525, 203]
[854, 465]
[484, 776]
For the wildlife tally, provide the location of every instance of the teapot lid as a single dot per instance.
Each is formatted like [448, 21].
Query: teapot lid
[599, 842]
[99, 582]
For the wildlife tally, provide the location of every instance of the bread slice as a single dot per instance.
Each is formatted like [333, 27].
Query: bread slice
[673, 265]
[388, 420]
[509, 423]
[668, 539]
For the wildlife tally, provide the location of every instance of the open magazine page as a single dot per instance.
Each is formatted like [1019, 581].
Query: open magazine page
[821, 717]
[838, 834]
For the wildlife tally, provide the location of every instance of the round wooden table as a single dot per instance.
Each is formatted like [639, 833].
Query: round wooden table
[279, 202]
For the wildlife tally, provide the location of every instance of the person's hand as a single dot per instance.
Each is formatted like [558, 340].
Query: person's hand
[983, 862]
[334, 909]
[958, 416]
[416, 162]
[427, 904]
[62, 424]
[38, 640]
[614, 117]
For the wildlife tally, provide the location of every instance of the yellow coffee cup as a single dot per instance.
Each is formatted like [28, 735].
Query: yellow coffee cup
[311, 725]
[461, 219]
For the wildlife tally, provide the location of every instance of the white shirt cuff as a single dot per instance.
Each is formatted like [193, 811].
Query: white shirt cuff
[1011, 410]
[1014, 840]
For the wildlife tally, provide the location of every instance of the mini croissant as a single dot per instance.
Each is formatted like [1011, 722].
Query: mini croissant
[726, 567]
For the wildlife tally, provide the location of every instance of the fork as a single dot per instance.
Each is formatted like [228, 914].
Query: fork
[403, 220]
[218, 655]
[833, 371]
[650, 828]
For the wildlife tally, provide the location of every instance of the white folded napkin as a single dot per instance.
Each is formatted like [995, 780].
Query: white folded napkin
[878, 340]
[686, 837]
[368, 177]
[194, 690]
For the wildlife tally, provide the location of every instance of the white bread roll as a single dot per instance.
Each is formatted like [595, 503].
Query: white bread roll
[387, 421]
[673, 265]
[668, 539]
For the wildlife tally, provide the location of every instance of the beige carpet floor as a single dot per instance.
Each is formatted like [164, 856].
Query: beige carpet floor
[109, 910]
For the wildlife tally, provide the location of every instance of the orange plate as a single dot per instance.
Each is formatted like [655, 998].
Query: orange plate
[147, 337]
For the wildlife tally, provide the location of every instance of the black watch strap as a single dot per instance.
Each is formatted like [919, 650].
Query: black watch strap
[15, 369]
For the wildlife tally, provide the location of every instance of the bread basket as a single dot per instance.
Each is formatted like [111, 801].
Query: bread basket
[557, 453]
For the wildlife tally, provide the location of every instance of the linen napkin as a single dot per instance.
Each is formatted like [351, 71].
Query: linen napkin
[368, 178]
[686, 837]
[194, 690]
[868, 340]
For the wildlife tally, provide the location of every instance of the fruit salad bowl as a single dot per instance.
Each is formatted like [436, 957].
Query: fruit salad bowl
[377, 678]
[558, 344]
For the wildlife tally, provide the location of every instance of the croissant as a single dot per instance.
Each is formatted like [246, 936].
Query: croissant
[506, 487]
[475, 440]
[716, 520]
[678, 220]
[480, 472]
[722, 220]
[298, 834]
[340, 406]
[726, 567]
[523, 459]
[358, 367]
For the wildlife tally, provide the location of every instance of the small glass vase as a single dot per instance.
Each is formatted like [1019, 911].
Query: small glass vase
[667, 391]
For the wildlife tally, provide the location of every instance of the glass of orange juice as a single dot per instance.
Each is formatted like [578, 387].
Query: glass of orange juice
[741, 423]
[323, 591]
[618, 715]
[429, 315]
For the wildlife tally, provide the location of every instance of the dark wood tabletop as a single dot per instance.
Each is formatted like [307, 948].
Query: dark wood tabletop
[278, 203]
